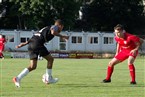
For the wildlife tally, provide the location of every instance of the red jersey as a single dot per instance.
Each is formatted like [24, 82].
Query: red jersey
[2, 41]
[128, 43]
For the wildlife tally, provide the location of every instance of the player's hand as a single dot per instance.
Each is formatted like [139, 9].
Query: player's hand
[18, 46]
[133, 52]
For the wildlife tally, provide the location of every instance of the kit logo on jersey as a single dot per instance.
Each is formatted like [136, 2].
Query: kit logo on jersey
[125, 42]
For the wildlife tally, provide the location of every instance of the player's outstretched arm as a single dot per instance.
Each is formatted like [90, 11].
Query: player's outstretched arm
[117, 49]
[59, 35]
[138, 45]
[65, 37]
[22, 44]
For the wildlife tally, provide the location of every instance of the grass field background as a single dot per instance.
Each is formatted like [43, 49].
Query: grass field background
[77, 78]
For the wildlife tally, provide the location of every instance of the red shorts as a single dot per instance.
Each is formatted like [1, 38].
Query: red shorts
[124, 54]
[1, 47]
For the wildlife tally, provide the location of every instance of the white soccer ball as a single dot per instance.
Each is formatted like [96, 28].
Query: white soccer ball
[45, 78]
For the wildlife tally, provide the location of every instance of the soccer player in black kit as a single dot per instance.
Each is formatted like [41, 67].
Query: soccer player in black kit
[36, 47]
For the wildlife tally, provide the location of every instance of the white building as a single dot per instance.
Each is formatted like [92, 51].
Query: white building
[99, 42]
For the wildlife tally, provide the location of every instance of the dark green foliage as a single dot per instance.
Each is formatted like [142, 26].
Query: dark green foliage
[105, 14]
[35, 14]
[100, 15]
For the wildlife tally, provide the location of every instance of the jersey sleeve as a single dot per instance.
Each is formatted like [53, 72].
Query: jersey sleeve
[134, 38]
[116, 39]
[43, 29]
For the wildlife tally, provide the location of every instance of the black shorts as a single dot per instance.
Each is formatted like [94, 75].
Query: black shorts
[35, 48]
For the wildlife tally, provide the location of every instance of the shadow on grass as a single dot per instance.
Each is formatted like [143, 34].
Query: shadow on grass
[100, 85]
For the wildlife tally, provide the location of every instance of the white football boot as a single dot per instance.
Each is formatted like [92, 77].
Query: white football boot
[16, 82]
[52, 80]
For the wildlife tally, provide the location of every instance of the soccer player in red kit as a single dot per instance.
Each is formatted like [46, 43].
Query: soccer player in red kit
[127, 48]
[2, 45]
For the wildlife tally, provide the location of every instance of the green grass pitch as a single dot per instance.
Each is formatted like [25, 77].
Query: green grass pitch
[77, 78]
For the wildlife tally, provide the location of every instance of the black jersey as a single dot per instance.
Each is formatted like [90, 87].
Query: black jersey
[41, 37]
[36, 43]
[45, 34]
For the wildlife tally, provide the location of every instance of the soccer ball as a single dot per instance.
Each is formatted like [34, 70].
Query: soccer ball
[49, 80]
[45, 79]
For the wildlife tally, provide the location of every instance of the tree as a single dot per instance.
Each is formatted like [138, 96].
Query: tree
[39, 13]
[10, 19]
[67, 10]
[105, 14]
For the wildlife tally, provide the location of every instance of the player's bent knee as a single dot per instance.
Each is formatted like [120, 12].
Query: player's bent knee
[111, 64]
[51, 59]
[32, 68]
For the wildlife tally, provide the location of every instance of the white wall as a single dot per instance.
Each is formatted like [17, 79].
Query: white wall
[93, 47]
[108, 47]
[76, 46]
[10, 45]
[54, 44]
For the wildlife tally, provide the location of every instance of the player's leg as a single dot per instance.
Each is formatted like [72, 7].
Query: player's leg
[131, 67]
[24, 72]
[110, 69]
[121, 56]
[46, 55]
[50, 60]
[1, 48]
[33, 64]
[1, 55]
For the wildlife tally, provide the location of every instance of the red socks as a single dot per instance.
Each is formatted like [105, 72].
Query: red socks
[109, 72]
[1, 54]
[132, 72]
[131, 69]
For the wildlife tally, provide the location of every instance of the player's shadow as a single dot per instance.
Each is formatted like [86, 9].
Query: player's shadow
[100, 85]
[77, 85]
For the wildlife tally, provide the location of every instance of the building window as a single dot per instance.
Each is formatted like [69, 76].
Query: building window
[62, 44]
[108, 40]
[62, 40]
[24, 39]
[28, 39]
[76, 39]
[93, 40]
[10, 38]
